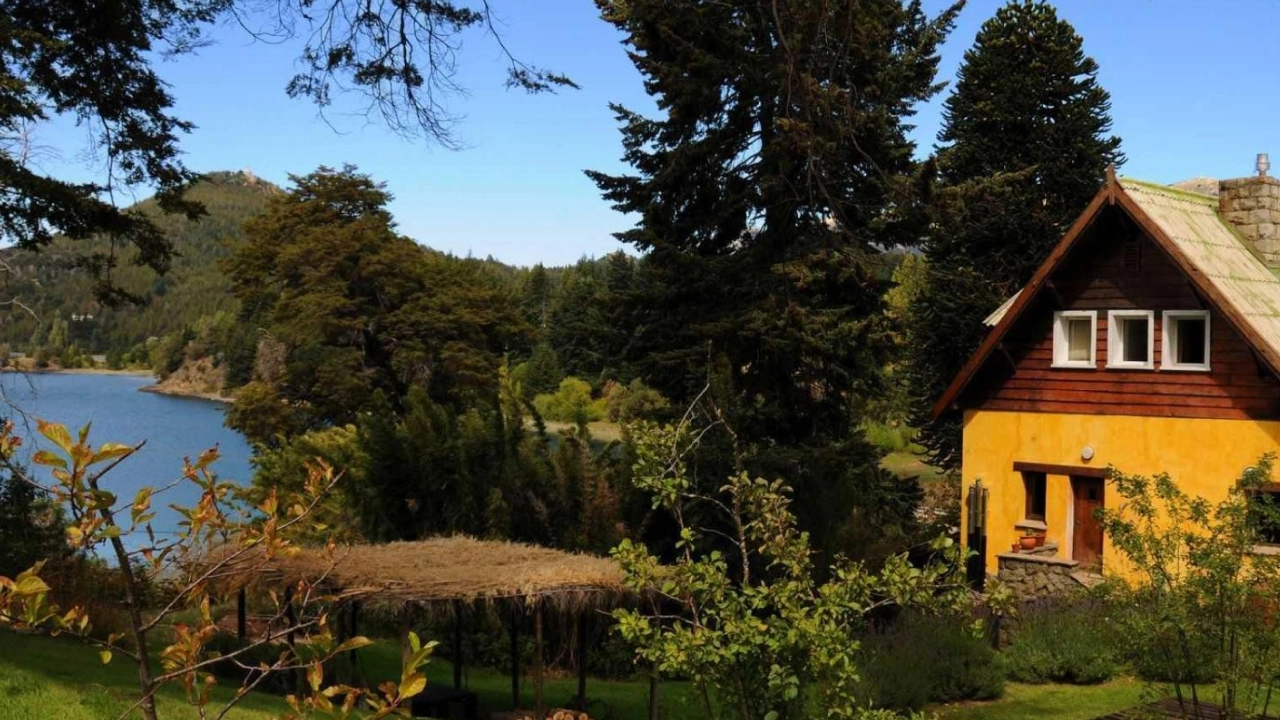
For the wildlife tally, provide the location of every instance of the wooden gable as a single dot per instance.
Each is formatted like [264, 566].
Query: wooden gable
[1115, 265]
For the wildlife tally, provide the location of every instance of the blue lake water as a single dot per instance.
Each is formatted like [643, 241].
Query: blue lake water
[173, 427]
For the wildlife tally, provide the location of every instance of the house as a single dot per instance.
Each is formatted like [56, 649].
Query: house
[1148, 340]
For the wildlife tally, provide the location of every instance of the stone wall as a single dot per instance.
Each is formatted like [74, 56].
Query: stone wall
[1252, 204]
[1031, 577]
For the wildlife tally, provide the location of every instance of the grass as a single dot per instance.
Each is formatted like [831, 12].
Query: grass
[1051, 702]
[56, 677]
[43, 677]
[908, 463]
[601, 430]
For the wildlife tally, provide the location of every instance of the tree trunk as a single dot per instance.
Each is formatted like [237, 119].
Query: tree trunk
[131, 601]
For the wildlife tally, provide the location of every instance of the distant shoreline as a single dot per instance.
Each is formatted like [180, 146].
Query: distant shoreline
[154, 388]
[85, 371]
[158, 389]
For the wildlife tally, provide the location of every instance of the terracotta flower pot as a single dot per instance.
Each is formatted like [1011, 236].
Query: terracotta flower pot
[1040, 540]
[1016, 547]
[1027, 542]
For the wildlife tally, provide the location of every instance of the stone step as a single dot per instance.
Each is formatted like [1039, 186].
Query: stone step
[1086, 578]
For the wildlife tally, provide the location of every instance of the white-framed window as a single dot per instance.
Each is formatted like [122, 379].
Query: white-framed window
[1074, 338]
[1185, 340]
[1131, 339]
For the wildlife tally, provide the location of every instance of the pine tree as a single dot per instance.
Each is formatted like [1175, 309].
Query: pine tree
[32, 525]
[1027, 106]
[1025, 145]
[763, 192]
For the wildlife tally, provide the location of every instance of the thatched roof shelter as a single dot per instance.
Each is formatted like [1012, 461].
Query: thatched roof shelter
[449, 573]
[459, 568]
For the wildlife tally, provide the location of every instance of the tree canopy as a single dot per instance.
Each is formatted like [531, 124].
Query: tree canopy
[1025, 144]
[346, 308]
[764, 191]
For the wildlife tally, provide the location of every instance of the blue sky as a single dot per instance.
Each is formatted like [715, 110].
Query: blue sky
[1195, 91]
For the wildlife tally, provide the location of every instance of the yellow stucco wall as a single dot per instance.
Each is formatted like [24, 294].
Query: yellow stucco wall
[1205, 457]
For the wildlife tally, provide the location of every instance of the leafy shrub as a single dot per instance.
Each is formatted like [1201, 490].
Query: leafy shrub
[923, 659]
[98, 588]
[633, 401]
[571, 403]
[1171, 648]
[1063, 642]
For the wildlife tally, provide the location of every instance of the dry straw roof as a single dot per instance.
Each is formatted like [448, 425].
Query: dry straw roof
[1213, 247]
[459, 568]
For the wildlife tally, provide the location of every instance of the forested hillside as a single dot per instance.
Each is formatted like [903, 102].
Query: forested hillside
[59, 310]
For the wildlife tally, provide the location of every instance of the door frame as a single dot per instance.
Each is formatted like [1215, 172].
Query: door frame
[1070, 472]
[1071, 513]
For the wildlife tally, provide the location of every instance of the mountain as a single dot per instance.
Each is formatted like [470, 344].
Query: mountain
[58, 308]
[1202, 185]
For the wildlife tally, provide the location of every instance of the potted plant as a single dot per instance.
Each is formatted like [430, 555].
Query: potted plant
[1028, 541]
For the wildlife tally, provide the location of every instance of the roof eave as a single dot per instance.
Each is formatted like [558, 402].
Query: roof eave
[1108, 195]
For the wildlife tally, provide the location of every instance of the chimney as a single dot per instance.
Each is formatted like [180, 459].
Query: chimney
[1252, 204]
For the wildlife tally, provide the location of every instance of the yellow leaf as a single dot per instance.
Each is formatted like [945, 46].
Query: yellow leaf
[110, 451]
[412, 685]
[56, 433]
[48, 459]
[314, 677]
[105, 655]
[30, 585]
[353, 644]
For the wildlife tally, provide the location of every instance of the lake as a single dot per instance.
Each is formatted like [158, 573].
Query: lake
[174, 427]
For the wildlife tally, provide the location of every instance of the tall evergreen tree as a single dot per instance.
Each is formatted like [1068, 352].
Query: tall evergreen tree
[1025, 144]
[763, 191]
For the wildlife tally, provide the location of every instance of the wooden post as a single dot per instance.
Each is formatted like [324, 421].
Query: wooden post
[457, 645]
[583, 618]
[515, 653]
[537, 657]
[653, 695]
[289, 616]
[241, 614]
[353, 629]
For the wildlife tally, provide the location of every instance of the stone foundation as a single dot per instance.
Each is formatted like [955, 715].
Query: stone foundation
[1030, 576]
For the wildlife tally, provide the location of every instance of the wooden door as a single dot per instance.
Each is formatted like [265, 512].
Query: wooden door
[1090, 494]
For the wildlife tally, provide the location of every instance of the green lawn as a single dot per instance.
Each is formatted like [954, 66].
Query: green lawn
[56, 677]
[43, 678]
[1051, 702]
[907, 463]
[60, 678]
